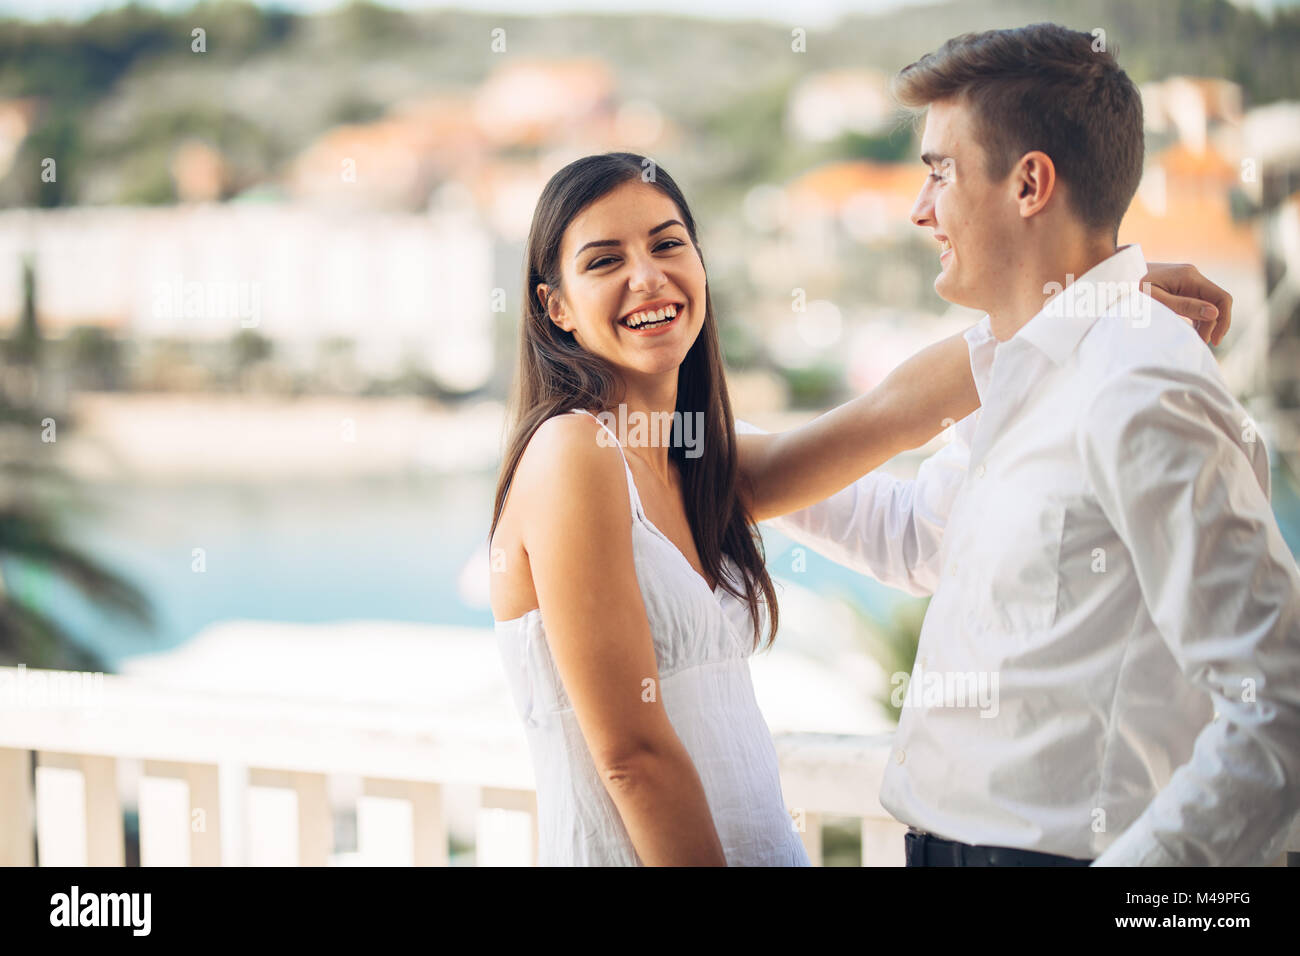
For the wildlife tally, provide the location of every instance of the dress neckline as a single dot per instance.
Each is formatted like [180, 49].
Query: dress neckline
[638, 508]
[669, 541]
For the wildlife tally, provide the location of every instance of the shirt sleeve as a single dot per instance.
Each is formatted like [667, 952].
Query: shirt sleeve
[1184, 480]
[887, 527]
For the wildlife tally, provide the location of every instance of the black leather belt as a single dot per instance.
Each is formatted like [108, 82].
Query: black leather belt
[926, 849]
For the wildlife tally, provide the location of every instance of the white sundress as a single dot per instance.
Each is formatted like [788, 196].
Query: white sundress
[702, 644]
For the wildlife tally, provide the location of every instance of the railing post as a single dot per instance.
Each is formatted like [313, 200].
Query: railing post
[811, 835]
[315, 821]
[78, 810]
[164, 802]
[60, 810]
[18, 822]
[517, 801]
[205, 814]
[105, 831]
[427, 837]
[882, 842]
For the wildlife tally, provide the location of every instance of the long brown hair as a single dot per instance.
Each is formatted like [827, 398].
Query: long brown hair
[555, 374]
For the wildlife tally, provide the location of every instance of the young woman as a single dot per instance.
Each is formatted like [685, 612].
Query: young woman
[628, 584]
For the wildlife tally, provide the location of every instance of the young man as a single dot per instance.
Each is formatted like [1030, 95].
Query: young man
[1097, 537]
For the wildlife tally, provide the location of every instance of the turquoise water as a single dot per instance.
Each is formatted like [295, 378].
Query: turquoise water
[313, 552]
[306, 552]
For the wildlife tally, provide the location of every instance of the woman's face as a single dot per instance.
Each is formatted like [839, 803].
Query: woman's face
[624, 255]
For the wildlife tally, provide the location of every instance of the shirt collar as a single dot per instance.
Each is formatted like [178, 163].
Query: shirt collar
[981, 344]
[1059, 326]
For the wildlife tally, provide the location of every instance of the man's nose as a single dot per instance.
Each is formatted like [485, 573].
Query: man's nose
[923, 208]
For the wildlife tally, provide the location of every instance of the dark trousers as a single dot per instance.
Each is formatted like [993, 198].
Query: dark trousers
[926, 849]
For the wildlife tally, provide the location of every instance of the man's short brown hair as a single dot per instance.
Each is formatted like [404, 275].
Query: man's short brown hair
[1043, 87]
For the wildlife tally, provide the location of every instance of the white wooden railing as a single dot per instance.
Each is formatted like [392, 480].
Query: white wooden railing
[234, 779]
[245, 780]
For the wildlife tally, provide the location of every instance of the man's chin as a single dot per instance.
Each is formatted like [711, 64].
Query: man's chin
[948, 290]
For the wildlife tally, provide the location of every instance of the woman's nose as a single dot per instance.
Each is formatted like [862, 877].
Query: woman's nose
[647, 275]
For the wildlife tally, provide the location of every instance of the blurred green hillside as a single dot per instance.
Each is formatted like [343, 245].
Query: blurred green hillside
[118, 92]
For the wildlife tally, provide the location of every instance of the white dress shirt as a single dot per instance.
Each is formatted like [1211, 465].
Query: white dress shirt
[1110, 664]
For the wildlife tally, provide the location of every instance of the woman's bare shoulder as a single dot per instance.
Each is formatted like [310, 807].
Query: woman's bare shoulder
[567, 457]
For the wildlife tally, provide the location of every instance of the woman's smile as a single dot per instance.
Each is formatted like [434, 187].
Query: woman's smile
[653, 322]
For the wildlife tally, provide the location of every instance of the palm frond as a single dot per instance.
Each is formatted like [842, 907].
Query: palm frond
[33, 539]
[29, 637]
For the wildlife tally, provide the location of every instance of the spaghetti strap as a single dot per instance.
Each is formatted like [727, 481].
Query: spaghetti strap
[637, 510]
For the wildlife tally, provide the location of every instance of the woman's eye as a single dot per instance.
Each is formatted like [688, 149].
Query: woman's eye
[939, 177]
[604, 260]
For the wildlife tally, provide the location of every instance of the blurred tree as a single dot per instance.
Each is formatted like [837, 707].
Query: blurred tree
[28, 633]
[892, 147]
[96, 358]
[25, 346]
[249, 347]
[353, 107]
[57, 139]
[816, 386]
[30, 535]
[895, 651]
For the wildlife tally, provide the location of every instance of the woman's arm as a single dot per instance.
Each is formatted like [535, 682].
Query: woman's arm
[577, 532]
[786, 471]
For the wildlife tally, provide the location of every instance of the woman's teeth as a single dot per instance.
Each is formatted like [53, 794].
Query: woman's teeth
[652, 318]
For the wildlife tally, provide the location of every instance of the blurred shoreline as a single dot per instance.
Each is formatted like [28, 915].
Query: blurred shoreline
[203, 436]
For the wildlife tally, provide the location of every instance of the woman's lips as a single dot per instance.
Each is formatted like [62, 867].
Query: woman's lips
[658, 329]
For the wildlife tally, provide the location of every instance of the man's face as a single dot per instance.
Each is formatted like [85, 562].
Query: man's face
[974, 218]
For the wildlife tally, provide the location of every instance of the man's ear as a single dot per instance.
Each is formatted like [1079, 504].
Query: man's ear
[1034, 182]
[554, 305]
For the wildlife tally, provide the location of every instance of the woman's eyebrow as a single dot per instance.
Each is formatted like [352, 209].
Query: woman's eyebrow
[931, 158]
[615, 242]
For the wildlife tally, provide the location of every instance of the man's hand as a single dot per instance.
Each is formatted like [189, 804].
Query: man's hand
[1183, 289]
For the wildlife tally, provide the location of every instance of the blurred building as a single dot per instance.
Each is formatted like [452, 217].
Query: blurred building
[408, 291]
[16, 119]
[828, 104]
[502, 139]
[398, 237]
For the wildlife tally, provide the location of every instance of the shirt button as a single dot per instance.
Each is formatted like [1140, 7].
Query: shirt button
[979, 471]
[901, 755]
